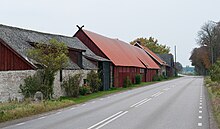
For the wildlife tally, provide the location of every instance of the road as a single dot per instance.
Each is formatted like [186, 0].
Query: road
[174, 104]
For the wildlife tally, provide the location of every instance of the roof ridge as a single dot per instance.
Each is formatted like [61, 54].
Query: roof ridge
[29, 30]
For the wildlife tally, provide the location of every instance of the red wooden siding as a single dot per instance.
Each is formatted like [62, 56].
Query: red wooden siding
[150, 73]
[120, 74]
[9, 60]
[89, 43]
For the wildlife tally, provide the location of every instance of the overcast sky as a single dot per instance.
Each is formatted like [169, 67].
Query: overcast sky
[172, 22]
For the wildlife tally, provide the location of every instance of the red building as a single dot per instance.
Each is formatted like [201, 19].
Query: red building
[126, 60]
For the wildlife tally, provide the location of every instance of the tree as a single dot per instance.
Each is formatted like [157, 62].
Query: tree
[53, 57]
[208, 52]
[178, 67]
[200, 59]
[153, 45]
[209, 36]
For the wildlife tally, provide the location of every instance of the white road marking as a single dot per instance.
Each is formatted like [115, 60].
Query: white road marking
[20, 124]
[200, 98]
[200, 111]
[58, 113]
[84, 105]
[200, 103]
[166, 89]
[138, 102]
[200, 124]
[200, 117]
[41, 118]
[200, 107]
[93, 102]
[111, 120]
[72, 108]
[105, 120]
[101, 99]
[157, 94]
[143, 102]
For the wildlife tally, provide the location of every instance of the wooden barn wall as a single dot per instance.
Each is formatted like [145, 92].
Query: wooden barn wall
[87, 41]
[150, 73]
[10, 61]
[120, 74]
[76, 57]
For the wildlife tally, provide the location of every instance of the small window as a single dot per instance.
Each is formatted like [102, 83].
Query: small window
[141, 70]
[84, 81]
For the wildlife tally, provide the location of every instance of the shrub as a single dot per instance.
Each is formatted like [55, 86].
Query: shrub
[84, 90]
[138, 79]
[93, 81]
[71, 85]
[127, 82]
[157, 78]
[31, 85]
[215, 72]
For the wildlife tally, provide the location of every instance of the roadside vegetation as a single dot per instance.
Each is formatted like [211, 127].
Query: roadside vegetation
[213, 84]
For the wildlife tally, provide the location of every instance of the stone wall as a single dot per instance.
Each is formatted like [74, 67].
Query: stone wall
[10, 82]
[58, 90]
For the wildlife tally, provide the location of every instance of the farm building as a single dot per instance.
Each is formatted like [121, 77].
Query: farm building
[126, 60]
[156, 58]
[168, 58]
[15, 65]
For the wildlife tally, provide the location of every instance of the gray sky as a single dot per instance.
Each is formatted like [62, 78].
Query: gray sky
[172, 22]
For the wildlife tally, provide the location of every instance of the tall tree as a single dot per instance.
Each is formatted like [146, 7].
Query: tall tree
[152, 44]
[208, 52]
[53, 57]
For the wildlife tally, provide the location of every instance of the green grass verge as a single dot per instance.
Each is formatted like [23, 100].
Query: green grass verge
[15, 110]
[214, 95]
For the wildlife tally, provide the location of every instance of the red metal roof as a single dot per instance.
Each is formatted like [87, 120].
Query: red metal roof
[152, 54]
[122, 53]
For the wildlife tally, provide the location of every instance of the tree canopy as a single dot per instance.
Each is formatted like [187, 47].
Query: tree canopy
[52, 56]
[209, 45]
[152, 44]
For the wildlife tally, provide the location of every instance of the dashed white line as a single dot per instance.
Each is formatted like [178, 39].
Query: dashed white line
[200, 103]
[105, 120]
[200, 117]
[199, 124]
[41, 118]
[200, 111]
[93, 102]
[157, 94]
[200, 107]
[58, 113]
[143, 102]
[138, 102]
[20, 124]
[111, 120]
[108, 120]
[72, 108]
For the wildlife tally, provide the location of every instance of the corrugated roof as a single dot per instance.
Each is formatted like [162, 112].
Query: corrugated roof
[146, 59]
[120, 52]
[152, 54]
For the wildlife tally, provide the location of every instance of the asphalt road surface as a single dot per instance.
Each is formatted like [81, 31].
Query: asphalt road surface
[175, 104]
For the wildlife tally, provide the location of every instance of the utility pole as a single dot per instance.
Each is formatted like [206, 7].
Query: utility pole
[175, 61]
